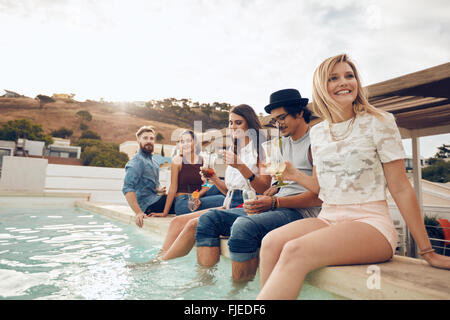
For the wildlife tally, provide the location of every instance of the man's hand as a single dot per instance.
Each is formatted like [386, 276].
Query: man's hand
[261, 204]
[140, 219]
[161, 191]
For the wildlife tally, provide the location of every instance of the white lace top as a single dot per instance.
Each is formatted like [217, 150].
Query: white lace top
[350, 171]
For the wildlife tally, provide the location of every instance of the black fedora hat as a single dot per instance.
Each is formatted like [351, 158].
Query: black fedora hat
[285, 97]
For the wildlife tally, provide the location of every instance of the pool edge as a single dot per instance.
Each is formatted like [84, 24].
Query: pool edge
[401, 278]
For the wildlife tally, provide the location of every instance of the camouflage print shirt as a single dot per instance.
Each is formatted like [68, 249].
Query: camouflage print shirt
[350, 170]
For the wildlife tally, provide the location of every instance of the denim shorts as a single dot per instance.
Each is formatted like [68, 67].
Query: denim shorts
[245, 232]
[211, 199]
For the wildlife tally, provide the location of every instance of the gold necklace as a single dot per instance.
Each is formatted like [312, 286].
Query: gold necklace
[345, 134]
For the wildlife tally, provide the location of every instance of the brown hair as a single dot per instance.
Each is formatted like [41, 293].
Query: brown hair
[144, 129]
[197, 147]
[253, 122]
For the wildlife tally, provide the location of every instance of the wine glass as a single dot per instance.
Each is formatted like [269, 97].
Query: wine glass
[208, 167]
[275, 161]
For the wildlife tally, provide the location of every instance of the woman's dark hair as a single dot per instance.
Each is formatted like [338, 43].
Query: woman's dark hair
[294, 110]
[254, 126]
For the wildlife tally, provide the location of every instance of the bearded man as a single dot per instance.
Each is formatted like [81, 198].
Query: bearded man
[141, 184]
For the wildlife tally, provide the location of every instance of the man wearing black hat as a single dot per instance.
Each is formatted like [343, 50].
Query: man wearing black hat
[289, 113]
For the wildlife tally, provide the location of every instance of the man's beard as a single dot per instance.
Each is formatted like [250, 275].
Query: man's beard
[147, 148]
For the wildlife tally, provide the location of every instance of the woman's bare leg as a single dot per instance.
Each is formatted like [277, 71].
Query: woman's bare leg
[184, 242]
[176, 226]
[272, 244]
[340, 244]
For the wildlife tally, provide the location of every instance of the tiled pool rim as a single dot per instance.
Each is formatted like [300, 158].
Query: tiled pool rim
[401, 278]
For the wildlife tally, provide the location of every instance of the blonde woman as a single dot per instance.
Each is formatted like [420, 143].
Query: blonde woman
[357, 152]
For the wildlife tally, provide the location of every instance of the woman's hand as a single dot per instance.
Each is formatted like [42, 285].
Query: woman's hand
[161, 191]
[212, 177]
[197, 203]
[290, 172]
[231, 159]
[157, 215]
[437, 260]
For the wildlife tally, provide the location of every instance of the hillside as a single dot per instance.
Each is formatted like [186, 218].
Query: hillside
[113, 122]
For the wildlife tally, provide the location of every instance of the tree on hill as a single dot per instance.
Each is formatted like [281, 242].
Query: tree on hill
[84, 115]
[184, 112]
[43, 99]
[23, 128]
[159, 137]
[97, 153]
[62, 133]
[88, 134]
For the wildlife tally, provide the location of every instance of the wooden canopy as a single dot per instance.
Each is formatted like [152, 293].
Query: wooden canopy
[419, 101]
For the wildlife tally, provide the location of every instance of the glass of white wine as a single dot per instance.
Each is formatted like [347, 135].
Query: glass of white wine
[275, 161]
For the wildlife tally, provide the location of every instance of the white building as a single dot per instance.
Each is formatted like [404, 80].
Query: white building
[409, 163]
[61, 148]
[27, 147]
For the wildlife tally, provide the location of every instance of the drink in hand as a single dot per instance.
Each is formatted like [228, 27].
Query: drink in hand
[208, 172]
[193, 199]
[276, 169]
[249, 195]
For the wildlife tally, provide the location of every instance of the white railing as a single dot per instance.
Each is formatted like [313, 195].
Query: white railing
[104, 184]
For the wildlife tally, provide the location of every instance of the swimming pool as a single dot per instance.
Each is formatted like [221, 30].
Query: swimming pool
[71, 253]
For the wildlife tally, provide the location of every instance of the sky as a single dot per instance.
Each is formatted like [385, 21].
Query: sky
[234, 51]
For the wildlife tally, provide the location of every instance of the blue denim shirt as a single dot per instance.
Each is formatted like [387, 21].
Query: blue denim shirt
[142, 177]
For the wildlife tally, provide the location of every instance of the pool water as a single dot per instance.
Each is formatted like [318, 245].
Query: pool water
[71, 253]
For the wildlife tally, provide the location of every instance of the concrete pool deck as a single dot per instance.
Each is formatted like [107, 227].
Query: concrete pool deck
[401, 278]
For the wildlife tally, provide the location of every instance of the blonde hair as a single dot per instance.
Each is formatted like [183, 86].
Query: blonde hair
[322, 101]
[144, 129]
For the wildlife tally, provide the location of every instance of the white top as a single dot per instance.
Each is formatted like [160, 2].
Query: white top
[350, 171]
[233, 177]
